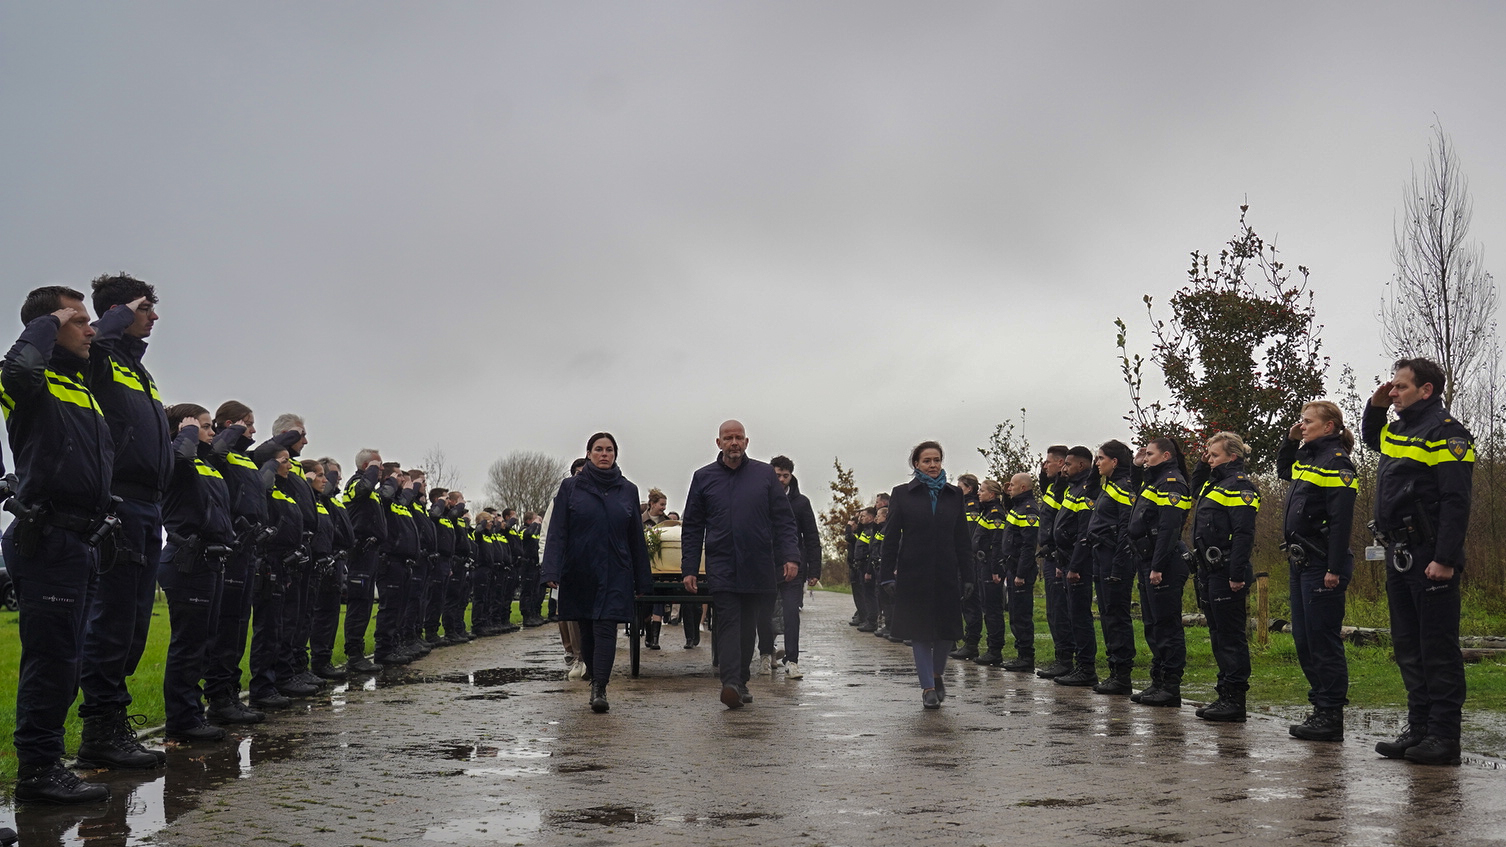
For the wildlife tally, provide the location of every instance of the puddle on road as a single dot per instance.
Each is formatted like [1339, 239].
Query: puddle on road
[144, 802]
[488, 678]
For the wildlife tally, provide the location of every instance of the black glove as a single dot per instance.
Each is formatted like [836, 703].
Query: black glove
[967, 590]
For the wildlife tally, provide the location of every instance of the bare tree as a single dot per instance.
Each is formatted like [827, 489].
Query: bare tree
[441, 473]
[1442, 302]
[524, 480]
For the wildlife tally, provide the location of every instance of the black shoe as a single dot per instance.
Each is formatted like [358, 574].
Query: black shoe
[310, 678]
[1322, 725]
[882, 632]
[1435, 751]
[1410, 737]
[231, 710]
[966, 651]
[1225, 710]
[202, 732]
[1022, 664]
[599, 702]
[271, 701]
[992, 658]
[929, 699]
[1116, 685]
[652, 641]
[940, 685]
[690, 643]
[385, 659]
[419, 647]
[294, 688]
[1168, 695]
[53, 783]
[1080, 678]
[1054, 670]
[867, 626]
[434, 639]
[327, 670]
[109, 741]
[534, 621]
[856, 619]
[1139, 696]
[744, 694]
[362, 665]
[731, 697]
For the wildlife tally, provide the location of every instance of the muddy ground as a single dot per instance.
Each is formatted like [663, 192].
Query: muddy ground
[487, 743]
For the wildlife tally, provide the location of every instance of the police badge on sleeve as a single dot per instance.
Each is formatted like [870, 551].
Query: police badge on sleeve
[1458, 447]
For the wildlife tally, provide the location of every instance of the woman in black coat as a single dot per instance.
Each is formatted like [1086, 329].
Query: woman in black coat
[596, 555]
[927, 567]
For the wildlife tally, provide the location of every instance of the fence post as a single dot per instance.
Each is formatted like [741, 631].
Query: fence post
[1262, 610]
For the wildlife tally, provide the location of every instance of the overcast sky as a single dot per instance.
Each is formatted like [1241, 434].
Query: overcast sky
[500, 226]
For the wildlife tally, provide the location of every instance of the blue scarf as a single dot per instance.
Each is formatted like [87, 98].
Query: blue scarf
[934, 484]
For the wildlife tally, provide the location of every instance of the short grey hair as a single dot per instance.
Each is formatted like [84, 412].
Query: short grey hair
[365, 455]
[285, 422]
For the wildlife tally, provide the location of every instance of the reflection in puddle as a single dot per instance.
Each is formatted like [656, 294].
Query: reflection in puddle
[502, 826]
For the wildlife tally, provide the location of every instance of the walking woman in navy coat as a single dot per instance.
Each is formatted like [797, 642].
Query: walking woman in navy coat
[596, 556]
[928, 567]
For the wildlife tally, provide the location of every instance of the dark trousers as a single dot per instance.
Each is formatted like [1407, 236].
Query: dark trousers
[972, 613]
[324, 609]
[222, 675]
[506, 590]
[598, 649]
[531, 599]
[1425, 640]
[690, 619]
[481, 603]
[767, 605]
[439, 584]
[360, 589]
[457, 597]
[412, 622]
[120, 614]
[792, 595]
[392, 585]
[855, 581]
[1227, 630]
[1080, 615]
[192, 605]
[54, 588]
[292, 655]
[266, 624]
[1058, 615]
[1317, 615]
[1117, 622]
[871, 592]
[991, 600]
[1021, 602]
[736, 623]
[1161, 612]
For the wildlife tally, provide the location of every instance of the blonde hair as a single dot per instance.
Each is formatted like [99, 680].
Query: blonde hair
[994, 486]
[1330, 412]
[1232, 443]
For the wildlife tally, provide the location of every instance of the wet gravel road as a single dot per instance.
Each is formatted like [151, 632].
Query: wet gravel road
[488, 744]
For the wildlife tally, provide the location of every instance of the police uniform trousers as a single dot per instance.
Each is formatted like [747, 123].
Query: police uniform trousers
[227, 644]
[439, 586]
[360, 591]
[293, 655]
[1317, 615]
[269, 590]
[1080, 616]
[1058, 614]
[120, 614]
[457, 597]
[325, 602]
[1425, 641]
[1117, 620]
[54, 588]
[193, 608]
[1021, 603]
[392, 588]
[1161, 614]
[1228, 629]
[990, 596]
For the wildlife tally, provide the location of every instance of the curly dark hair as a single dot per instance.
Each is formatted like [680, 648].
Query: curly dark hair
[110, 291]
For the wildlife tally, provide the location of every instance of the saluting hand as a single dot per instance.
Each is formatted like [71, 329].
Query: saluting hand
[187, 422]
[1382, 396]
[1295, 433]
[65, 314]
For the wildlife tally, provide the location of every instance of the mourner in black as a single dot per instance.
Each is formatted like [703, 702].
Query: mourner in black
[792, 591]
[1114, 562]
[1058, 619]
[1223, 534]
[1073, 559]
[1422, 499]
[1155, 534]
[64, 458]
[1316, 527]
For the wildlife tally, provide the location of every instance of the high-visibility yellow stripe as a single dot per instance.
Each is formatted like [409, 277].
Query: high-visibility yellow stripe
[278, 495]
[68, 391]
[240, 461]
[205, 470]
[986, 523]
[1022, 520]
[1161, 498]
[1118, 493]
[1050, 500]
[1425, 452]
[879, 537]
[335, 501]
[447, 523]
[320, 508]
[1322, 477]
[1232, 498]
[1074, 503]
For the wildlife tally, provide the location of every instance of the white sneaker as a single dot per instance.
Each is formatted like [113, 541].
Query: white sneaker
[765, 665]
[792, 670]
[578, 672]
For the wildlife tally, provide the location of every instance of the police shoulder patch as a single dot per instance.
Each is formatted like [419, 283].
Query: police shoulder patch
[1346, 476]
[1458, 446]
[1247, 496]
[1174, 498]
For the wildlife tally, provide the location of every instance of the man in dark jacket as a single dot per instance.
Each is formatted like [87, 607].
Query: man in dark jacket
[121, 610]
[64, 458]
[368, 519]
[738, 513]
[792, 591]
[1422, 496]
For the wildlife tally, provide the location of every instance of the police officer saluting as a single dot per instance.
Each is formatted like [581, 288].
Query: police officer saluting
[1422, 494]
[64, 457]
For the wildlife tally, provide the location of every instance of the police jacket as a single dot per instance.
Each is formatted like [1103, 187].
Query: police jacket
[988, 536]
[58, 434]
[322, 542]
[1155, 525]
[1108, 528]
[862, 547]
[444, 528]
[1425, 474]
[249, 483]
[1053, 489]
[402, 535]
[530, 545]
[809, 530]
[852, 545]
[128, 396]
[428, 533]
[742, 520]
[481, 547]
[1224, 520]
[972, 505]
[1021, 531]
[465, 545]
[285, 517]
[1070, 532]
[198, 499]
[1320, 500]
[345, 536]
[364, 503]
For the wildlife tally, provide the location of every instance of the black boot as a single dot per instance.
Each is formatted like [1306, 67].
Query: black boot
[966, 651]
[53, 783]
[1117, 683]
[1169, 694]
[1217, 689]
[599, 702]
[1410, 737]
[202, 732]
[652, 641]
[230, 710]
[1155, 683]
[1079, 678]
[1054, 670]
[1020, 664]
[1229, 708]
[109, 741]
[327, 670]
[992, 657]
[1435, 751]
[1324, 724]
